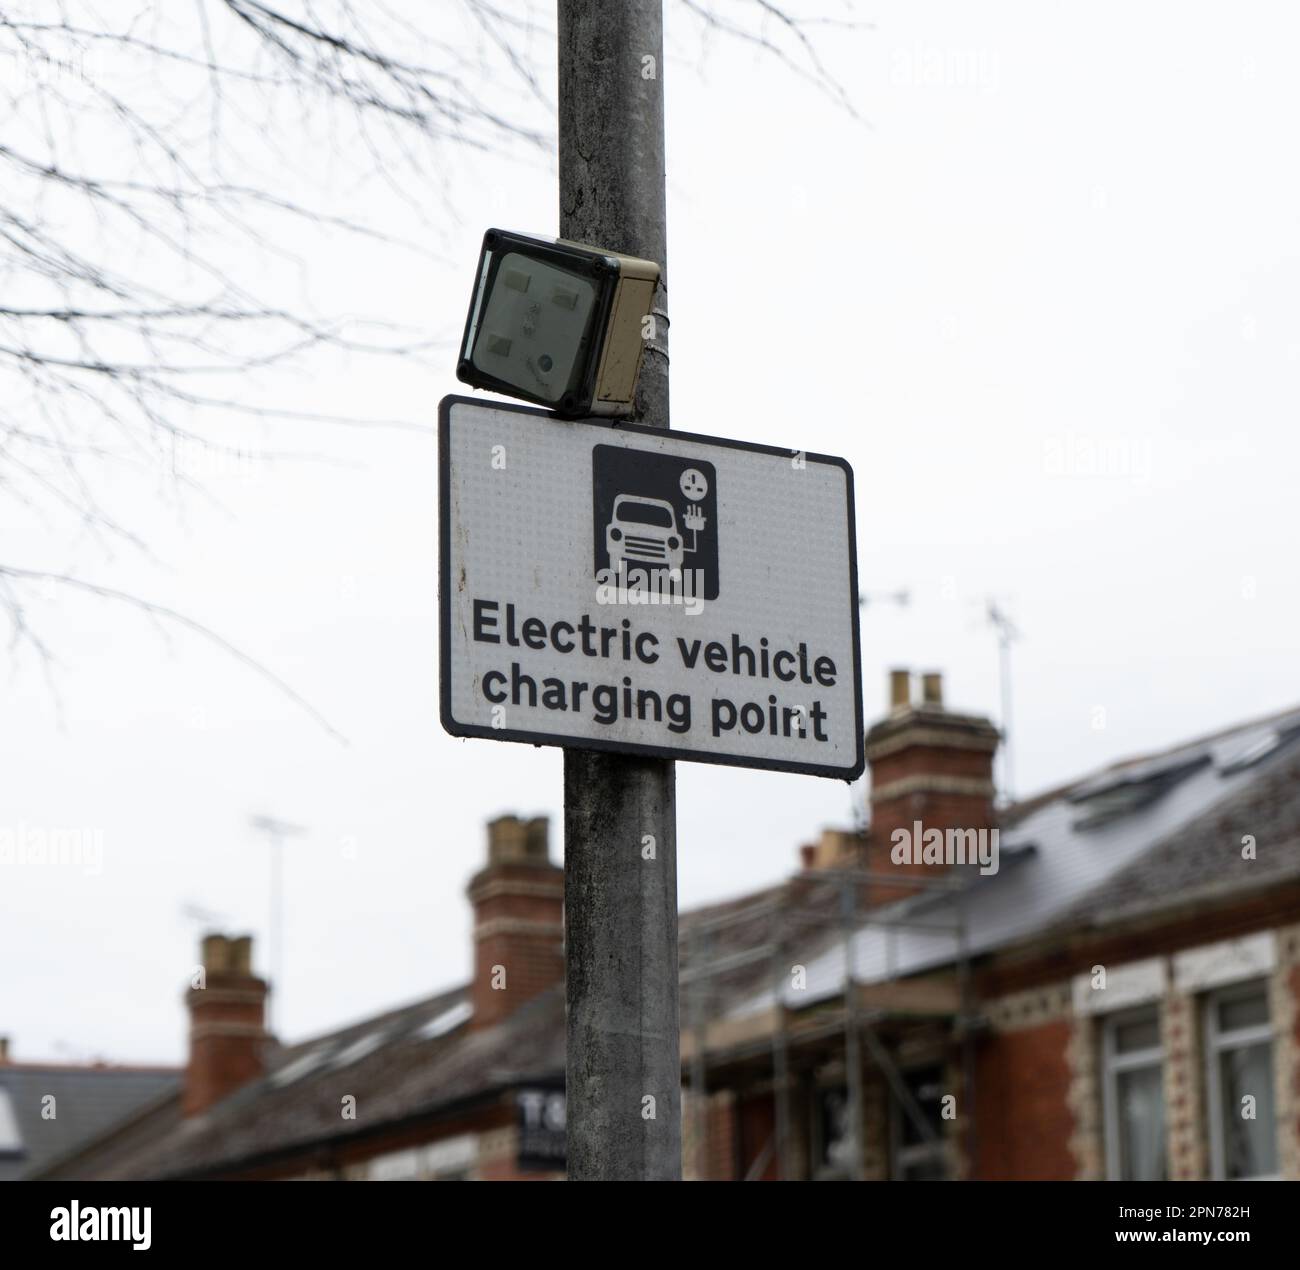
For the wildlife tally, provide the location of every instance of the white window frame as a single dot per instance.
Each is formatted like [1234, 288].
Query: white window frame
[1216, 1042]
[1113, 1064]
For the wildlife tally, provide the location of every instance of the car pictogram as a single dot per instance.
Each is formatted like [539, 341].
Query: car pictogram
[643, 531]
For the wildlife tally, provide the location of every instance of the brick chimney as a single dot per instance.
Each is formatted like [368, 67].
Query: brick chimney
[228, 1037]
[834, 849]
[518, 902]
[928, 765]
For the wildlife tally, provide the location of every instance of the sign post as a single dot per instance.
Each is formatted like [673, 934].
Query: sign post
[638, 596]
[630, 594]
[620, 924]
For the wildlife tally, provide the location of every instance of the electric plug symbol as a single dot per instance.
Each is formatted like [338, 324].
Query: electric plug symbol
[694, 520]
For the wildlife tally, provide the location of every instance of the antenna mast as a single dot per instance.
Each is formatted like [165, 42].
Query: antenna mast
[276, 832]
[1007, 634]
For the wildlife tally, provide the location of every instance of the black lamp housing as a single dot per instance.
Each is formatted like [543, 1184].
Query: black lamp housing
[557, 323]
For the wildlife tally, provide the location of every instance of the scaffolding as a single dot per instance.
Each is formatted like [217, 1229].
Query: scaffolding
[866, 1006]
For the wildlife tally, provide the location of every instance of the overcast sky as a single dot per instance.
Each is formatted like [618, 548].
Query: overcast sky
[1041, 293]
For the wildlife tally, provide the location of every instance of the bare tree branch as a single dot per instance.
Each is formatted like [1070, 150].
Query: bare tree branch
[11, 579]
[148, 219]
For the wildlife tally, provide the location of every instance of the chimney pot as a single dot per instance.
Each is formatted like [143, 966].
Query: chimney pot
[4, 1049]
[515, 841]
[213, 953]
[225, 956]
[241, 955]
[932, 688]
[900, 689]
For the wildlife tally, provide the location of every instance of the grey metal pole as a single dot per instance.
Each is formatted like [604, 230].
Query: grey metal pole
[697, 993]
[620, 820]
[277, 933]
[852, 1035]
[781, 1065]
[276, 831]
[1004, 668]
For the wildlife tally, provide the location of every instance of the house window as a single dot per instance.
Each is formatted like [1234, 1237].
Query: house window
[1239, 1084]
[920, 1149]
[1132, 1058]
[832, 1143]
[396, 1166]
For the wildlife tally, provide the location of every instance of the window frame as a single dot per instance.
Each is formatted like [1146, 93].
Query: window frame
[822, 1170]
[1113, 1064]
[901, 1157]
[1217, 1042]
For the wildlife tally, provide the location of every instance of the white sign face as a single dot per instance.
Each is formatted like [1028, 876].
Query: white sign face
[617, 587]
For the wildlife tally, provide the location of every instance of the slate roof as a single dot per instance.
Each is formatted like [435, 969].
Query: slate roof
[87, 1101]
[1147, 835]
[416, 1061]
[1139, 838]
[737, 942]
[1204, 861]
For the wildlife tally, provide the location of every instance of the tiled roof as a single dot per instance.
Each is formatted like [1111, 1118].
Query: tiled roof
[1204, 860]
[407, 1063]
[87, 1101]
[1146, 835]
[1140, 837]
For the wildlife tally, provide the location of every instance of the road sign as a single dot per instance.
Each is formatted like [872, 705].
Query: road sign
[618, 587]
[540, 1125]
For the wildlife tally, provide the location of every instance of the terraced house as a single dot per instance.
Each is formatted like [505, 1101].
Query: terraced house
[1108, 987]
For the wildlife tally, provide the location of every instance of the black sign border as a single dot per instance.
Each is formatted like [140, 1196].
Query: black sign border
[480, 732]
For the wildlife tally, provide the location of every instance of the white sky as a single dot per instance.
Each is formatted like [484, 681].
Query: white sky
[1042, 296]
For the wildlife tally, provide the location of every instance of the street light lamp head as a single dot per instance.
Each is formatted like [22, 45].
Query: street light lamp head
[557, 323]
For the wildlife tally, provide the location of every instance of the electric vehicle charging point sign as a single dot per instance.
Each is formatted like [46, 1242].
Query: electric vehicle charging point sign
[618, 587]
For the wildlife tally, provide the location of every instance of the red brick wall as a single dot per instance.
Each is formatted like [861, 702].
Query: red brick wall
[930, 766]
[720, 1160]
[1294, 1078]
[1023, 1123]
[757, 1125]
[518, 925]
[227, 1040]
[533, 963]
[925, 760]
